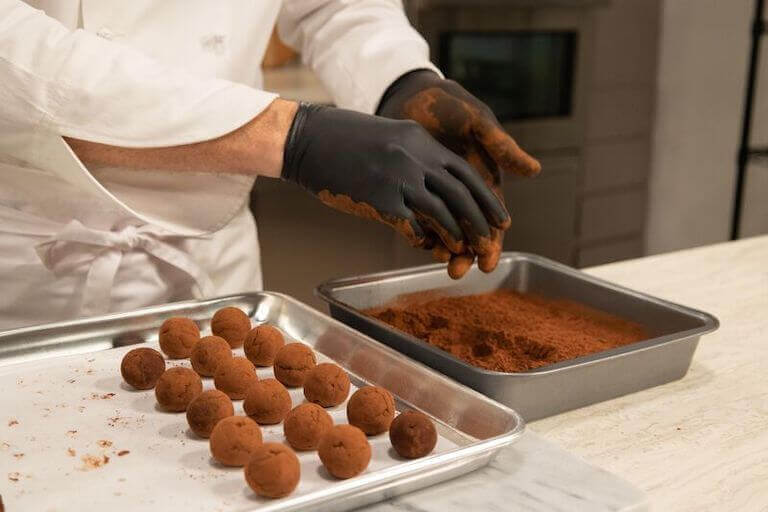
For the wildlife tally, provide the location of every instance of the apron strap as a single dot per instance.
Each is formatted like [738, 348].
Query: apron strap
[104, 250]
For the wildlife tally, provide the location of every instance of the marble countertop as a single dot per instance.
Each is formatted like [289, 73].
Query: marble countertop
[700, 443]
[531, 475]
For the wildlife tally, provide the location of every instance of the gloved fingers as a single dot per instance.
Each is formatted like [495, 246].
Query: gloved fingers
[503, 148]
[460, 265]
[463, 206]
[481, 163]
[487, 262]
[483, 195]
[403, 220]
[430, 242]
[441, 254]
[431, 212]
[408, 226]
[478, 158]
[411, 229]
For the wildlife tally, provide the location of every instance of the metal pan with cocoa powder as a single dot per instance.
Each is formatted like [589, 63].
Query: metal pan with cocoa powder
[536, 335]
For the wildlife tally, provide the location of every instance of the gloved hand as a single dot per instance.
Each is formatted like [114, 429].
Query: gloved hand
[394, 172]
[466, 126]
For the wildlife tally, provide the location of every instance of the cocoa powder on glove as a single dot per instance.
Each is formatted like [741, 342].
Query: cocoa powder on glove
[507, 331]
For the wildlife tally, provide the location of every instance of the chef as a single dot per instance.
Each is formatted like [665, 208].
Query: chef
[131, 134]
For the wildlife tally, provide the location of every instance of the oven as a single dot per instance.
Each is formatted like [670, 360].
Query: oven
[520, 74]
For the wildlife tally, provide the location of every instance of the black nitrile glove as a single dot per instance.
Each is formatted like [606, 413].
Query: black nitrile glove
[391, 171]
[466, 126]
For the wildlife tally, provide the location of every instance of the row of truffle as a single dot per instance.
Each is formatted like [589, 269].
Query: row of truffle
[271, 469]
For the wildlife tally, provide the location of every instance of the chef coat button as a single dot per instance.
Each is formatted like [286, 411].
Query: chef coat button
[105, 33]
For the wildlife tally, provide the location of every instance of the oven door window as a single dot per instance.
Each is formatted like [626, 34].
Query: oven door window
[520, 75]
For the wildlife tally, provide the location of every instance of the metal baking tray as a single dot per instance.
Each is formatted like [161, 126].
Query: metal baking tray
[542, 392]
[153, 462]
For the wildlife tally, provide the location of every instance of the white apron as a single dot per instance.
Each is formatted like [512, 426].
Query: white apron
[113, 240]
[77, 241]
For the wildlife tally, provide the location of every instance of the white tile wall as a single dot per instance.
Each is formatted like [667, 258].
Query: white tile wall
[618, 113]
[619, 120]
[611, 251]
[626, 34]
[616, 164]
[611, 215]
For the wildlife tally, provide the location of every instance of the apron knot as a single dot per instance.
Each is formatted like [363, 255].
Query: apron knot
[102, 251]
[127, 239]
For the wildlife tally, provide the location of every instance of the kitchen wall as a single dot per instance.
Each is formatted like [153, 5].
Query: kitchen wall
[703, 52]
[618, 134]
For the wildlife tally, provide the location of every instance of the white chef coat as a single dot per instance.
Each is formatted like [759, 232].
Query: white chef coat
[78, 241]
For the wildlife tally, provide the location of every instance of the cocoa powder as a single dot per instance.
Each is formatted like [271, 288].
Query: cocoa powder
[346, 204]
[507, 331]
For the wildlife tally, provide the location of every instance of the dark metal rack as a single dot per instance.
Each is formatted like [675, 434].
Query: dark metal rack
[746, 152]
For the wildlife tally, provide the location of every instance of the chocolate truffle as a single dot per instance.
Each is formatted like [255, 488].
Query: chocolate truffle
[413, 434]
[208, 353]
[267, 402]
[305, 425]
[460, 265]
[232, 325]
[176, 387]
[234, 376]
[372, 409]
[273, 470]
[293, 363]
[234, 439]
[207, 409]
[177, 337]
[262, 343]
[327, 385]
[141, 367]
[344, 451]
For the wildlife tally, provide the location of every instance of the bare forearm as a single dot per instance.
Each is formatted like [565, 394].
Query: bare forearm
[255, 148]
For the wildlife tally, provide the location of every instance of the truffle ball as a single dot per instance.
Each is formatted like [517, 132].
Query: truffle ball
[371, 409]
[460, 265]
[267, 402]
[262, 343]
[141, 367]
[327, 385]
[231, 324]
[413, 434]
[176, 387]
[273, 470]
[208, 353]
[305, 425]
[293, 363]
[234, 376]
[177, 337]
[344, 451]
[207, 409]
[234, 439]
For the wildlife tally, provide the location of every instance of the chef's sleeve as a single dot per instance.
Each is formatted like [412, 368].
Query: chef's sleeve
[79, 85]
[357, 48]
[56, 82]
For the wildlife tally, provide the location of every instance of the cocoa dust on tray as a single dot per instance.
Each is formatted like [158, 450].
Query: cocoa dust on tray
[508, 331]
